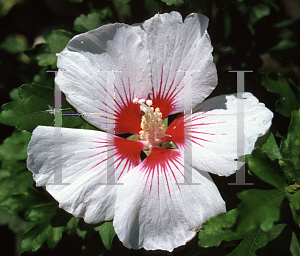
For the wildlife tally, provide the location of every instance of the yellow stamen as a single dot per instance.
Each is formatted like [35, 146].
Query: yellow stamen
[152, 124]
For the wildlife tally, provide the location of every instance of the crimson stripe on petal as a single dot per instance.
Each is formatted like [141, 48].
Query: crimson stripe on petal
[126, 153]
[177, 127]
[165, 99]
[160, 160]
[128, 118]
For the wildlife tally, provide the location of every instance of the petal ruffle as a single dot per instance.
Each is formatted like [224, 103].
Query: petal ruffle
[214, 132]
[105, 98]
[176, 47]
[155, 211]
[89, 191]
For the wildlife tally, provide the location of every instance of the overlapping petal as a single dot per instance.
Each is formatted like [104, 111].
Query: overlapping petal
[101, 71]
[175, 48]
[87, 188]
[157, 209]
[213, 131]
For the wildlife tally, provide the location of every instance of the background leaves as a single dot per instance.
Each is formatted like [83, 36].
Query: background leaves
[259, 35]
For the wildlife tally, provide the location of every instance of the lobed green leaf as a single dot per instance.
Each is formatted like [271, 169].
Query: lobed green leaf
[174, 2]
[107, 233]
[279, 240]
[271, 148]
[93, 20]
[290, 146]
[45, 53]
[35, 108]
[267, 170]
[31, 110]
[42, 231]
[259, 208]
[15, 146]
[288, 101]
[218, 229]
[295, 199]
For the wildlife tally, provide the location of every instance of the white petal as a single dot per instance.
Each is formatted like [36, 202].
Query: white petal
[85, 78]
[155, 211]
[214, 132]
[83, 165]
[176, 47]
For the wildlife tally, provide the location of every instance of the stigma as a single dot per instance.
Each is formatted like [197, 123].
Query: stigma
[153, 129]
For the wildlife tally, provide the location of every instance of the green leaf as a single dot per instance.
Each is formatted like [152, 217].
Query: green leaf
[218, 229]
[258, 11]
[296, 214]
[14, 222]
[107, 233]
[14, 177]
[290, 146]
[85, 23]
[14, 95]
[295, 247]
[284, 44]
[41, 212]
[267, 170]
[6, 5]
[273, 5]
[123, 10]
[288, 101]
[42, 231]
[18, 203]
[124, 1]
[13, 167]
[44, 78]
[45, 54]
[259, 208]
[271, 148]
[174, 2]
[279, 240]
[151, 6]
[289, 169]
[4, 174]
[15, 146]
[133, 137]
[87, 126]
[93, 20]
[17, 184]
[35, 108]
[31, 110]
[76, 1]
[14, 43]
[57, 40]
[72, 228]
[295, 199]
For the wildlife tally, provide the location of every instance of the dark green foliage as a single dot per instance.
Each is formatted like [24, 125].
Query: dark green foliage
[259, 35]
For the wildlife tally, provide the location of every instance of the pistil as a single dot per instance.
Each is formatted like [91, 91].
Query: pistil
[152, 124]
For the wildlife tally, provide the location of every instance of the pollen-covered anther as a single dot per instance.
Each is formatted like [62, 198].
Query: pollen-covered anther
[151, 124]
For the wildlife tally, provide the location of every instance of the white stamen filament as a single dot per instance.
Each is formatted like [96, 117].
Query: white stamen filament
[149, 102]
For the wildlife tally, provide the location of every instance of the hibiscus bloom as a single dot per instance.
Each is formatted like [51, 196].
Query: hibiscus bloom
[127, 80]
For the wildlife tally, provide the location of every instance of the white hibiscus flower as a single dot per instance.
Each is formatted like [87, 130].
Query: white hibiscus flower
[117, 74]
